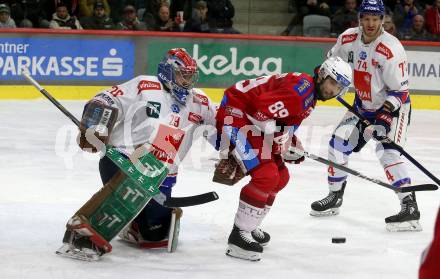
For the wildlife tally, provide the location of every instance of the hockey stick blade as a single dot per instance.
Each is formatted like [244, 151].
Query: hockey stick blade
[191, 200]
[415, 188]
[420, 187]
[392, 143]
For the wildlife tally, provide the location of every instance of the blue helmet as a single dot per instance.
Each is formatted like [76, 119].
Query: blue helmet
[374, 7]
[178, 73]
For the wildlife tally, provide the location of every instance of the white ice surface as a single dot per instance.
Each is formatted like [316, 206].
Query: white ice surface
[44, 179]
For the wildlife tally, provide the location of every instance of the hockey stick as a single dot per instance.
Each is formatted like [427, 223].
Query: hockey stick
[421, 187]
[112, 152]
[387, 140]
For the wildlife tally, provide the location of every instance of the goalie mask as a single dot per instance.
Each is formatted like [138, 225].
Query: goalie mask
[178, 73]
[333, 78]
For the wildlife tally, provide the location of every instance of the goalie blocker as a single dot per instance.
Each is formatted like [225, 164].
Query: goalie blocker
[96, 125]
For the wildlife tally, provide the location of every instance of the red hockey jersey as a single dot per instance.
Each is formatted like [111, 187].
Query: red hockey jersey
[286, 98]
[430, 268]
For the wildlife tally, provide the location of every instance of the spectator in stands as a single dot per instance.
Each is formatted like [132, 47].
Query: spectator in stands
[417, 32]
[99, 20]
[199, 18]
[432, 17]
[162, 21]
[50, 6]
[304, 8]
[5, 17]
[220, 14]
[314, 7]
[391, 4]
[425, 4]
[404, 13]
[87, 7]
[151, 10]
[117, 7]
[30, 13]
[346, 17]
[389, 26]
[130, 20]
[62, 20]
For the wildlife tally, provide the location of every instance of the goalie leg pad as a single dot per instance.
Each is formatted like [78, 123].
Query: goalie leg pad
[79, 224]
[133, 235]
[173, 236]
[113, 207]
[154, 221]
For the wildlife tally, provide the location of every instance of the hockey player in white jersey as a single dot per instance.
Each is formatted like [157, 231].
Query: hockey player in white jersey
[380, 74]
[162, 113]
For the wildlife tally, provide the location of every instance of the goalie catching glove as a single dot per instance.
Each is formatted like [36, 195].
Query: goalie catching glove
[228, 171]
[293, 154]
[96, 125]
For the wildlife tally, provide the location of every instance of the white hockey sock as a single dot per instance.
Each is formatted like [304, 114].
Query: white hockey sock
[248, 217]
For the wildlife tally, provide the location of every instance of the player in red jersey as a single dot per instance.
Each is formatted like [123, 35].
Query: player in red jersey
[430, 268]
[257, 119]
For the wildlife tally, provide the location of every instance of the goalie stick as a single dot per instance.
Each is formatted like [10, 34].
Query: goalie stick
[420, 187]
[387, 140]
[112, 153]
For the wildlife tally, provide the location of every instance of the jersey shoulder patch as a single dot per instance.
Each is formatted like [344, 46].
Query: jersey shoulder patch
[348, 38]
[148, 85]
[303, 85]
[200, 99]
[384, 50]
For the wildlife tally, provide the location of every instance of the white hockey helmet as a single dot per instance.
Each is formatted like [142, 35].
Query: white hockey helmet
[338, 70]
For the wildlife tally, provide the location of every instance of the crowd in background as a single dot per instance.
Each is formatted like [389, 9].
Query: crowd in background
[214, 16]
[405, 19]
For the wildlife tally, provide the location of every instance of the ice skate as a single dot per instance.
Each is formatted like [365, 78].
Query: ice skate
[261, 236]
[79, 247]
[329, 205]
[241, 245]
[408, 217]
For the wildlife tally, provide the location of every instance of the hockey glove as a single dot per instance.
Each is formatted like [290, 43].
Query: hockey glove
[228, 171]
[96, 125]
[382, 123]
[290, 155]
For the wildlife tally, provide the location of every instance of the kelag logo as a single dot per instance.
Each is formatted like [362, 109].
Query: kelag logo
[66, 59]
[226, 62]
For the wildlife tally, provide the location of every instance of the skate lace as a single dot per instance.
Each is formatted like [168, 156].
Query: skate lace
[404, 210]
[327, 199]
[246, 236]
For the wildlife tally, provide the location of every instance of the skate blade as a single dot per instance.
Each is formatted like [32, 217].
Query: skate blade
[69, 251]
[236, 252]
[408, 226]
[325, 213]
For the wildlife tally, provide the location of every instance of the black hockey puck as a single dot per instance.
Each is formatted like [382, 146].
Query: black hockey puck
[338, 239]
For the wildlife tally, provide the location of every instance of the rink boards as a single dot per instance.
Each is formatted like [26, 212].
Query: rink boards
[24, 92]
